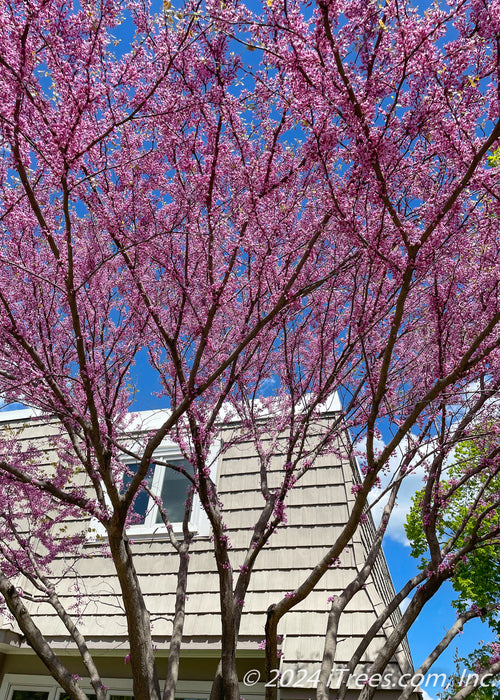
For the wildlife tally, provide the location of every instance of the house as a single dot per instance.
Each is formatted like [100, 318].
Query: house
[318, 507]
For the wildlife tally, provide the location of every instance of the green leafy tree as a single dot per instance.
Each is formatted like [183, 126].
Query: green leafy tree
[494, 159]
[476, 576]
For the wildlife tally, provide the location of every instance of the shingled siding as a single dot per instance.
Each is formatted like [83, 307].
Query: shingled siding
[317, 509]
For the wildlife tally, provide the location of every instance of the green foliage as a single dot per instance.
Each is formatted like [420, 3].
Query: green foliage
[415, 531]
[476, 578]
[494, 159]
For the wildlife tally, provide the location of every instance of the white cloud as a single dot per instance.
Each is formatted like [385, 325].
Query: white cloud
[404, 604]
[413, 482]
[426, 695]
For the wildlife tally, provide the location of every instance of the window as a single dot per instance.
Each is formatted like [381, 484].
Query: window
[34, 687]
[20, 693]
[27, 687]
[172, 487]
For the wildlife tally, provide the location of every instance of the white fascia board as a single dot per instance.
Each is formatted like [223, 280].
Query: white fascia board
[19, 414]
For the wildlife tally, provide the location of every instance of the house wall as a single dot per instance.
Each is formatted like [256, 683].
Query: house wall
[317, 509]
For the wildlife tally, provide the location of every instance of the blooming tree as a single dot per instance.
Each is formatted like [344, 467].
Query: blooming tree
[272, 205]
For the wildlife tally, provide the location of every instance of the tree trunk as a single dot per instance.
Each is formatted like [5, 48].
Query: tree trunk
[271, 629]
[177, 628]
[145, 678]
[228, 643]
[37, 641]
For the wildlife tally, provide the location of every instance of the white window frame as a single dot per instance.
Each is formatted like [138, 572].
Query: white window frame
[36, 684]
[199, 523]
[115, 686]
[190, 690]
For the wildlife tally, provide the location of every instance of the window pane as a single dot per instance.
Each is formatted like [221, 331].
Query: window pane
[140, 506]
[30, 695]
[65, 696]
[121, 697]
[174, 492]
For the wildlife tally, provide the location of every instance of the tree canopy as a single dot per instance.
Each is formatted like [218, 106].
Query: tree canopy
[272, 204]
